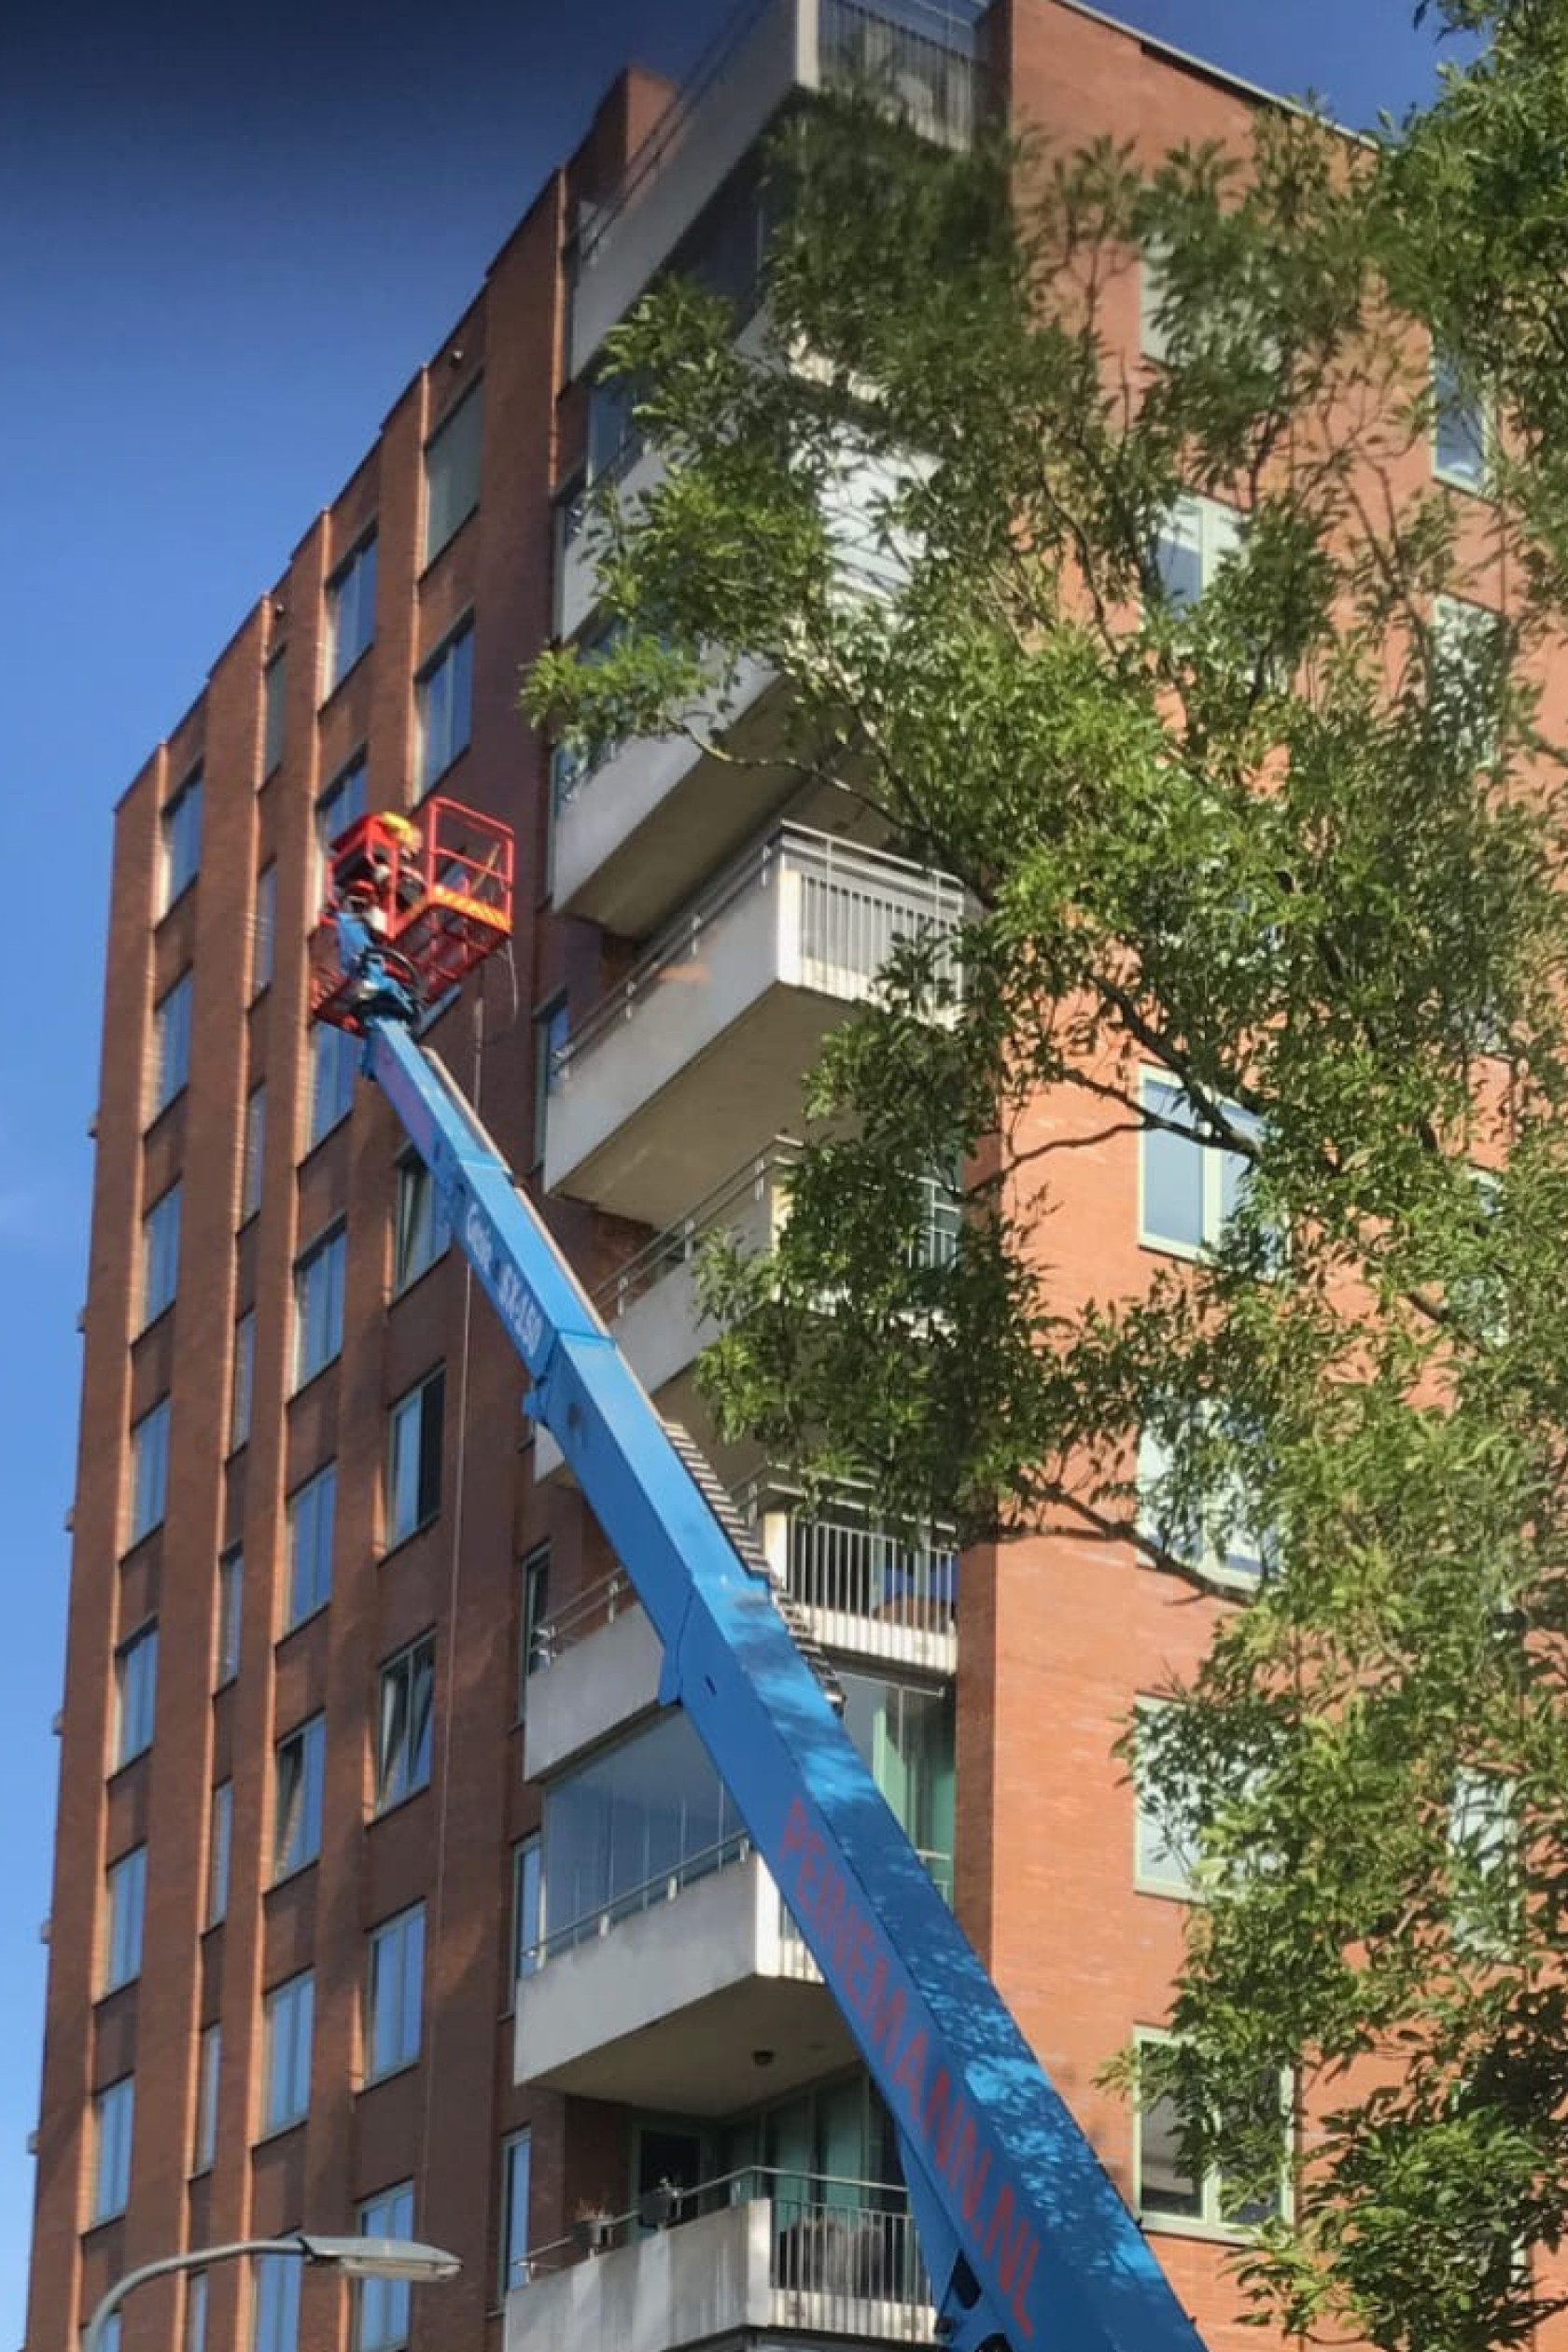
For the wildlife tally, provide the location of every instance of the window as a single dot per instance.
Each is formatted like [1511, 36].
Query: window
[649, 1812]
[1483, 1850]
[1466, 646]
[127, 1909]
[334, 1064]
[263, 931]
[275, 2326]
[1218, 1535]
[342, 802]
[1191, 543]
[220, 1840]
[514, 2209]
[230, 1597]
[403, 1718]
[149, 1470]
[615, 433]
[312, 1510]
[161, 1232]
[381, 2316]
[904, 1734]
[113, 2118]
[1188, 1190]
[413, 1461]
[274, 683]
[318, 1305]
[297, 1831]
[1152, 270]
[209, 2061]
[394, 1991]
[170, 1022]
[443, 703]
[422, 1232]
[549, 1038]
[452, 471]
[254, 1152]
[527, 1910]
[135, 1694]
[242, 1380]
[289, 2013]
[532, 1626]
[1459, 428]
[1163, 1855]
[350, 610]
[195, 2338]
[180, 840]
[1167, 2193]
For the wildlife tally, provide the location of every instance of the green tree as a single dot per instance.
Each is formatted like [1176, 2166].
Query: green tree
[1261, 863]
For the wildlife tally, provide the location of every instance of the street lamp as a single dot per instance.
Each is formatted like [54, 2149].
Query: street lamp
[355, 2257]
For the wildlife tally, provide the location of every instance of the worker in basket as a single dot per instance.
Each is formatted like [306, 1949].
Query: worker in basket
[379, 979]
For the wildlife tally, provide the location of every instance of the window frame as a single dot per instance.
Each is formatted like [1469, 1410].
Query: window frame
[172, 1028]
[516, 2146]
[394, 1993]
[1209, 2222]
[419, 1213]
[253, 1152]
[527, 1907]
[449, 653]
[242, 1380]
[275, 710]
[220, 1852]
[533, 1601]
[275, 2303]
[209, 2067]
[1236, 1570]
[1214, 1212]
[388, 2214]
[263, 933]
[389, 1786]
[1211, 528]
[228, 1616]
[1147, 1879]
[114, 2132]
[297, 1814]
[353, 567]
[180, 841]
[148, 1502]
[139, 1650]
[350, 783]
[466, 414]
[285, 2002]
[334, 1066]
[1445, 402]
[311, 1507]
[330, 1248]
[125, 1919]
[413, 1459]
[159, 1255]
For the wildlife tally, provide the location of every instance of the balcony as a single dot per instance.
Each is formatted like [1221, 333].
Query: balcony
[661, 1998]
[759, 2252]
[702, 1047]
[930, 60]
[868, 1596]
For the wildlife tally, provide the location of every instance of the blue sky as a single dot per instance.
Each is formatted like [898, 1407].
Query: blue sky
[225, 247]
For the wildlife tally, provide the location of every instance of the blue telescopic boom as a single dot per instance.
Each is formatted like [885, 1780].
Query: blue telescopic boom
[1026, 2240]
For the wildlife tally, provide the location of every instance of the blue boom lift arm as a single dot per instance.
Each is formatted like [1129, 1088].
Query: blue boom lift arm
[1025, 2238]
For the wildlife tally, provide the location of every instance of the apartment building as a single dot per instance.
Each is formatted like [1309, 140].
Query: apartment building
[386, 1899]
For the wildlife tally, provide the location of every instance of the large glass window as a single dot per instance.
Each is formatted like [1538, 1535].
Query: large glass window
[422, 1231]
[646, 1815]
[171, 1024]
[135, 1694]
[1459, 428]
[1190, 546]
[1164, 1847]
[149, 1470]
[297, 1826]
[231, 1598]
[452, 471]
[1220, 1533]
[127, 1911]
[532, 1620]
[1188, 1190]
[403, 1718]
[904, 1734]
[514, 2210]
[527, 1908]
[312, 1510]
[113, 2119]
[342, 802]
[350, 610]
[242, 1382]
[263, 930]
[414, 1457]
[290, 2014]
[254, 1152]
[319, 1305]
[394, 1992]
[334, 1065]
[180, 839]
[443, 700]
[381, 2321]
[1167, 2191]
[220, 1842]
[209, 2062]
[277, 2321]
[161, 1232]
[274, 686]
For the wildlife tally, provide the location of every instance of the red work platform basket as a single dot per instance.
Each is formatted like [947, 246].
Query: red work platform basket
[436, 889]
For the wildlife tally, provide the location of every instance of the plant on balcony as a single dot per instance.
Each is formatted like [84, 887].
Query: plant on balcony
[1241, 726]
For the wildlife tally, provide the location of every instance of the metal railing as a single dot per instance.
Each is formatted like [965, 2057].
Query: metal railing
[662, 1886]
[841, 1563]
[597, 1605]
[857, 905]
[925, 45]
[680, 1243]
[833, 2243]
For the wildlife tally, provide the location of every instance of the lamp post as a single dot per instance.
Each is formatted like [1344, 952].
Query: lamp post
[354, 2257]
